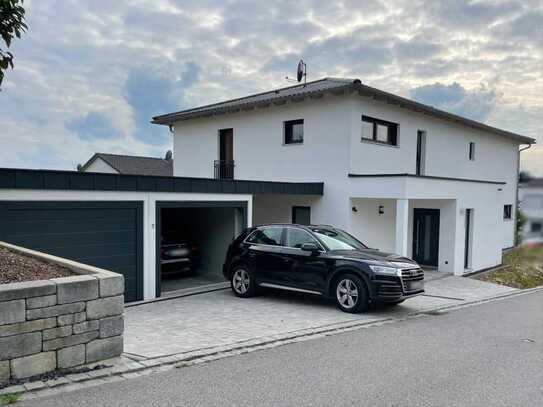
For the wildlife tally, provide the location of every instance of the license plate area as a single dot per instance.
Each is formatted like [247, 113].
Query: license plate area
[415, 285]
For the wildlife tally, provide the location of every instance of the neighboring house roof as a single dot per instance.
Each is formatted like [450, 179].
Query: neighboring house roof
[317, 89]
[533, 183]
[134, 165]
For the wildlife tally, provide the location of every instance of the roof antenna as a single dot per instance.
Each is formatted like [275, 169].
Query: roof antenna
[301, 73]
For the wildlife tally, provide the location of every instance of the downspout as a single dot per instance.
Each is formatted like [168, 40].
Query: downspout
[516, 239]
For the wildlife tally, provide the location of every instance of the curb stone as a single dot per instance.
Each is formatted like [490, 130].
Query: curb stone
[137, 368]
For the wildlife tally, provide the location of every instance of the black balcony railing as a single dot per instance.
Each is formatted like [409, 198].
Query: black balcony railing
[224, 169]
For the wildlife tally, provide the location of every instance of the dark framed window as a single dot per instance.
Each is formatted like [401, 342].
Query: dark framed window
[301, 215]
[508, 211]
[379, 131]
[472, 151]
[294, 131]
[535, 227]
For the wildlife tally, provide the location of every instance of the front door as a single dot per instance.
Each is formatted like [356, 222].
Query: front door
[226, 154]
[426, 236]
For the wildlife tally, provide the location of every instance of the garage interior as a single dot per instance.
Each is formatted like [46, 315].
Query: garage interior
[199, 237]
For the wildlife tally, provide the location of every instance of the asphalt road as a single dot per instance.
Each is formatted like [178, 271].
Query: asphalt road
[485, 355]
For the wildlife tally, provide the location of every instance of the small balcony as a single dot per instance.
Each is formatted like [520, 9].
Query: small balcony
[224, 169]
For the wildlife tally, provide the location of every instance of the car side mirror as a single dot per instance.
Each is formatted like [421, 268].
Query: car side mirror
[310, 247]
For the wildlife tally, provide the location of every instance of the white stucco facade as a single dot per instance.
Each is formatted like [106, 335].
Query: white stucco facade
[332, 149]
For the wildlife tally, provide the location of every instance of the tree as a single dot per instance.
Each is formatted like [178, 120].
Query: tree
[12, 24]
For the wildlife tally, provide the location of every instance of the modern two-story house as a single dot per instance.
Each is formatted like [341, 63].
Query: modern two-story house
[399, 175]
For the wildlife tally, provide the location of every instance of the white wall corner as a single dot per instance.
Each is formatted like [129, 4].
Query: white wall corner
[402, 226]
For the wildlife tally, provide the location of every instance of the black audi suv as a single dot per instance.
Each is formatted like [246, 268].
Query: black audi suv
[320, 260]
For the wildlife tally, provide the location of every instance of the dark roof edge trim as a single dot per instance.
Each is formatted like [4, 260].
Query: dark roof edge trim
[480, 181]
[364, 90]
[22, 178]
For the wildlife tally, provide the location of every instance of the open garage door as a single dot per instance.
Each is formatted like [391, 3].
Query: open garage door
[192, 240]
[108, 235]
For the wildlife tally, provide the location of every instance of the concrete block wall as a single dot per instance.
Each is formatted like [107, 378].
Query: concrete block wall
[59, 323]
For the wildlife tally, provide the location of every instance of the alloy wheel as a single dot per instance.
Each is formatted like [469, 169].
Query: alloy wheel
[347, 293]
[241, 281]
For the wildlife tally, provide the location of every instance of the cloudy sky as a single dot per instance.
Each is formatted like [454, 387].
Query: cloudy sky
[90, 74]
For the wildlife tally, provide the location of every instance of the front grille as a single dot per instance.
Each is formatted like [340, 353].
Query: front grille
[390, 289]
[408, 275]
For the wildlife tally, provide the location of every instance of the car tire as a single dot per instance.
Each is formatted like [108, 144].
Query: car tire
[350, 293]
[242, 282]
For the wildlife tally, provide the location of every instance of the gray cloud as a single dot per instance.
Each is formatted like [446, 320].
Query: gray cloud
[129, 60]
[454, 98]
[94, 125]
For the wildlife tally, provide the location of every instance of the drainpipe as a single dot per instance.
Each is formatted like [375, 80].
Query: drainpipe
[516, 239]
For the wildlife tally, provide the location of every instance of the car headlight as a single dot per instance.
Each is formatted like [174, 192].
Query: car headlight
[387, 271]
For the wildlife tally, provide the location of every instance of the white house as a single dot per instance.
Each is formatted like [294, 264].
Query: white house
[399, 175]
[531, 205]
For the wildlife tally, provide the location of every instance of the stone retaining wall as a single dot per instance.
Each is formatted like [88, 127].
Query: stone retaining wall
[59, 323]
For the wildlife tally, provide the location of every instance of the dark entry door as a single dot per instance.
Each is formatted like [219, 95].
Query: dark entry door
[426, 236]
[226, 153]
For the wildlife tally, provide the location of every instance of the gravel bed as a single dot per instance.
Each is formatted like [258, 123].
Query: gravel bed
[15, 267]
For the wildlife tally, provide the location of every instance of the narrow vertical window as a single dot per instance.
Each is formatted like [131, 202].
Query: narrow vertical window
[508, 212]
[421, 152]
[472, 151]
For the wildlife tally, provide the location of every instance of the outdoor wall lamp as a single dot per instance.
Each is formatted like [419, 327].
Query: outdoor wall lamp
[381, 209]
[354, 209]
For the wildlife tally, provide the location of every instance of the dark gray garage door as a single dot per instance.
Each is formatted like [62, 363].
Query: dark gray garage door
[103, 234]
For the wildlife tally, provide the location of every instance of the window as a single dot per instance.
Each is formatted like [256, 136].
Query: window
[294, 132]
[472, 151]
[379, 131]
[270, 236]
[301, 215]
[421, 152]
[507, 211]
[297, 237]
[535, 227]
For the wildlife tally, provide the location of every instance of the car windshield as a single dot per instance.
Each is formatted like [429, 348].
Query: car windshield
[336, 239]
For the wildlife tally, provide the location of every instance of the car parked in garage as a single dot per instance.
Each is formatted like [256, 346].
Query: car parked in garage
[179, 255]
[321, 260]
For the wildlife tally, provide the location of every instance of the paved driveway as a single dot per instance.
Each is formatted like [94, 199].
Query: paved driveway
[219, 320]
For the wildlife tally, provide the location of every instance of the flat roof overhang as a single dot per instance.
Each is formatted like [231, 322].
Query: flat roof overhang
[19, 178]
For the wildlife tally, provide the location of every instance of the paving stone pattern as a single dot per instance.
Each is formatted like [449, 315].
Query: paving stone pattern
[59, 323]
[220, 319]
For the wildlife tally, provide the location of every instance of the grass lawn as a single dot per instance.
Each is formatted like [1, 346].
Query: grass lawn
[523, 268]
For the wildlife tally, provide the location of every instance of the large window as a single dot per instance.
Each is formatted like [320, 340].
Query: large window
[379, 131]
[294, 132]
[267, 235]
[507, 211]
